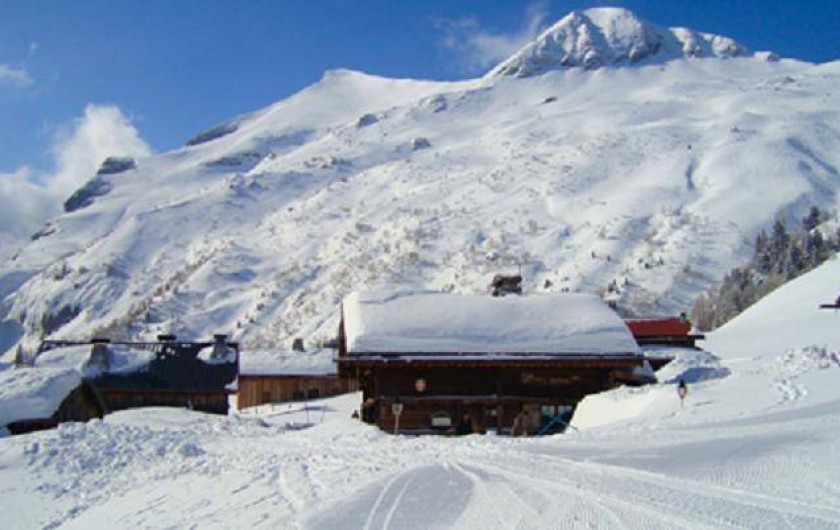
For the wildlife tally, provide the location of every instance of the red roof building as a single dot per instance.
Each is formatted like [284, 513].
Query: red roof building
[675, 331]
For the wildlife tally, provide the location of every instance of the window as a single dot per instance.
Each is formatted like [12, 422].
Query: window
[549, 411]
[441, 420]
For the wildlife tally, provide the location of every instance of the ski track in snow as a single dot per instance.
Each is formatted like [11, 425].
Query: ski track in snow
[244, 475]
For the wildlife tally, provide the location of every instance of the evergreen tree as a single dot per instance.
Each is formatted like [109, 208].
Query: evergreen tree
[763, 258]
[794, 263]
[813, 219]
[779, 241]
[816, 250]
[778, 258]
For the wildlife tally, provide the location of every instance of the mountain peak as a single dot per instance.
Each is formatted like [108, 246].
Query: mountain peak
[607, 36]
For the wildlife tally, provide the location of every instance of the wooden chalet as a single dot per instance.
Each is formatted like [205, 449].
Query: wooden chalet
[278, 377]
[440, 356]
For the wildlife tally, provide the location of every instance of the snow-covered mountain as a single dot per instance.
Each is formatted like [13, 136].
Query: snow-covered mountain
[645, 180]
[613, 36]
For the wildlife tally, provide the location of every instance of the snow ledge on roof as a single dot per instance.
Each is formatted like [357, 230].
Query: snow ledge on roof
[425, 322]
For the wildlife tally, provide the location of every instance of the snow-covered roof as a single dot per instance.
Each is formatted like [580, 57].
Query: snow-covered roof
[439, 323]
[217, 354]
[37, 392]
[122, 359]
[34, 393]
[263, 362]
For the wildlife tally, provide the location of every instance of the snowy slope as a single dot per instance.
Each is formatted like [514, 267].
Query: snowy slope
[742, 452]
[650, 178]
[19, 223]
[783, 353]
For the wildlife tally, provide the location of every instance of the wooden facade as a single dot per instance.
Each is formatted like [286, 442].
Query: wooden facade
[259, 389]
[446, 363]
[437, 393]
[215, 402]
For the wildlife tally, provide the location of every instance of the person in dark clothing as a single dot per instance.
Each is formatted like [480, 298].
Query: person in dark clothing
[682, 390]
[465, 426]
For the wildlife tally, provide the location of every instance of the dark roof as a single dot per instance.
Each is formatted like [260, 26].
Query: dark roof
[176, 368]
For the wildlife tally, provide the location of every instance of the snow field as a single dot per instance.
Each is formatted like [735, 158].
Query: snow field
[157, 468]
[741, 452]
[645, 177]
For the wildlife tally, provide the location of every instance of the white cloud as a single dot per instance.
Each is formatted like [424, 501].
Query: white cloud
[101, 132]
[29, 198]
[18, 192]
[25, 208]
[477, 48]
[16, 77]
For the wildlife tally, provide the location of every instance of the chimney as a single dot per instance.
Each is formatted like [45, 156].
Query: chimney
[221, 351]
[100, 354]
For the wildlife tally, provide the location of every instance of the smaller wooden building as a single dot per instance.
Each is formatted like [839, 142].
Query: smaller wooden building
[283, 376]
[82, 404]
[671, 331]
[443, 358]
[200, 375]
[33, 399]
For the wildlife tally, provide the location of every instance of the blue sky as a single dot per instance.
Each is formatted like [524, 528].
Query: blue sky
[165, 70]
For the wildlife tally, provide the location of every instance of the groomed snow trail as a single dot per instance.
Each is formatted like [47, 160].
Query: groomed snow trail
[178, 469]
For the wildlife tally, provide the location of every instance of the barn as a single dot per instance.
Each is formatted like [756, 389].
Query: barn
[434, 358]
[282, 376]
